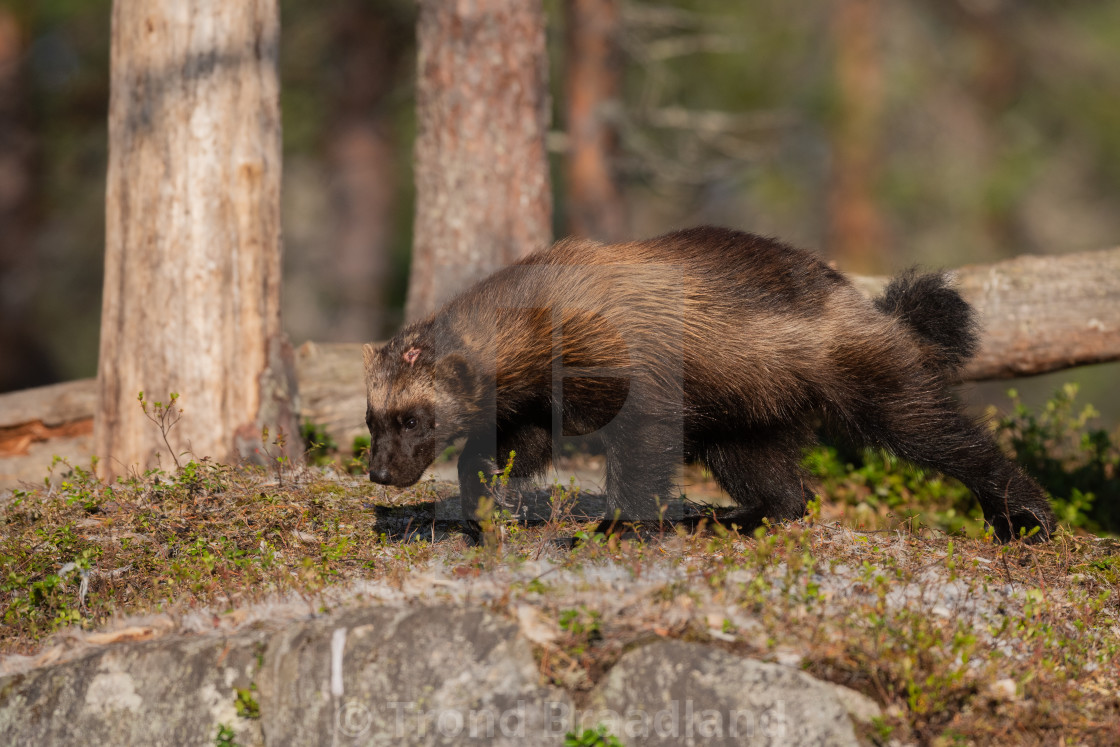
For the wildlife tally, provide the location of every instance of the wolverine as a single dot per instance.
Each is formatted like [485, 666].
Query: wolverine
[707, 345]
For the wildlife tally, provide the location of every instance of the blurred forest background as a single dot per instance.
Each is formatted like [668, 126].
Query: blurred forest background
[880, 134]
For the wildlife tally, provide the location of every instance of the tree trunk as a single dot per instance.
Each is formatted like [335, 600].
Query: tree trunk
[593, 74]
[856, 229]
[192, 257]
[483, 197]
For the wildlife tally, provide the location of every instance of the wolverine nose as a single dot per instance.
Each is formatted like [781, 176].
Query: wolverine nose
[380, 476]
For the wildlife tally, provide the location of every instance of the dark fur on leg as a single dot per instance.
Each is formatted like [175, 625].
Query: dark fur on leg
[762, 473]
[640, 467]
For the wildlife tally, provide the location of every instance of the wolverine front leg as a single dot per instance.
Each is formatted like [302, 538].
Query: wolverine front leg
[641, 462]
[477, 459]
[485, 456]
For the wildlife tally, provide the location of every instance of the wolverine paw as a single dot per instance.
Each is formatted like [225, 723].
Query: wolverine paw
[1026, 526]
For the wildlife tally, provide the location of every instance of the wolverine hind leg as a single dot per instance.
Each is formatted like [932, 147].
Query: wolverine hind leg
[762, 473]
[931, 431]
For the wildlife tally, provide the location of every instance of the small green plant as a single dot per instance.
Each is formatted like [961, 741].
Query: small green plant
[1106, 569]
[584, 627]
[359, 456]
[561, 501]
[492, 508]
[278, 458]
[597, 737]
[247, 705]
[165, 417]
[198, 478]
[318, 445]
[580, 621]
[338, 549]
[499, 480]
[883, 730]
[590, 539]
[226, 737]
[536, 586]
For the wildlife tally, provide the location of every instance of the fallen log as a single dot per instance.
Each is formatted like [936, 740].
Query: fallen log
[38, 424]
[45, 412]
[1043, 314]
[1038, 314]
[332, 389]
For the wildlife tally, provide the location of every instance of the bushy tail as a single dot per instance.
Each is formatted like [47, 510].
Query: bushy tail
[939, 315]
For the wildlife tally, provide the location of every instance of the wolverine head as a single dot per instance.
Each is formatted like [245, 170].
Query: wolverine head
[413, 407]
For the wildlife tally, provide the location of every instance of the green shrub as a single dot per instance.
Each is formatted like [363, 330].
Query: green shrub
[318, 444]
[1078, 465]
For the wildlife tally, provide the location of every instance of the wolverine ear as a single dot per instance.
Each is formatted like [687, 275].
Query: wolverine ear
[369, 355]
[457, 372]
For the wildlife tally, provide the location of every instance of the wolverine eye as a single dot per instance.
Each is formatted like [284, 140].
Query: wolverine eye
[410, 423]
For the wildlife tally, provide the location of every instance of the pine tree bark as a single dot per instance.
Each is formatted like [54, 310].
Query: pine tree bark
[192, 258]
[483, 197]
[592, 82]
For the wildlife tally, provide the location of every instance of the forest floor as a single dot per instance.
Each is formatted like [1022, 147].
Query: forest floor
[958, 638]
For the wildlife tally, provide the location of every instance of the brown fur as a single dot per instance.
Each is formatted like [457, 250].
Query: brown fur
[704, 344]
